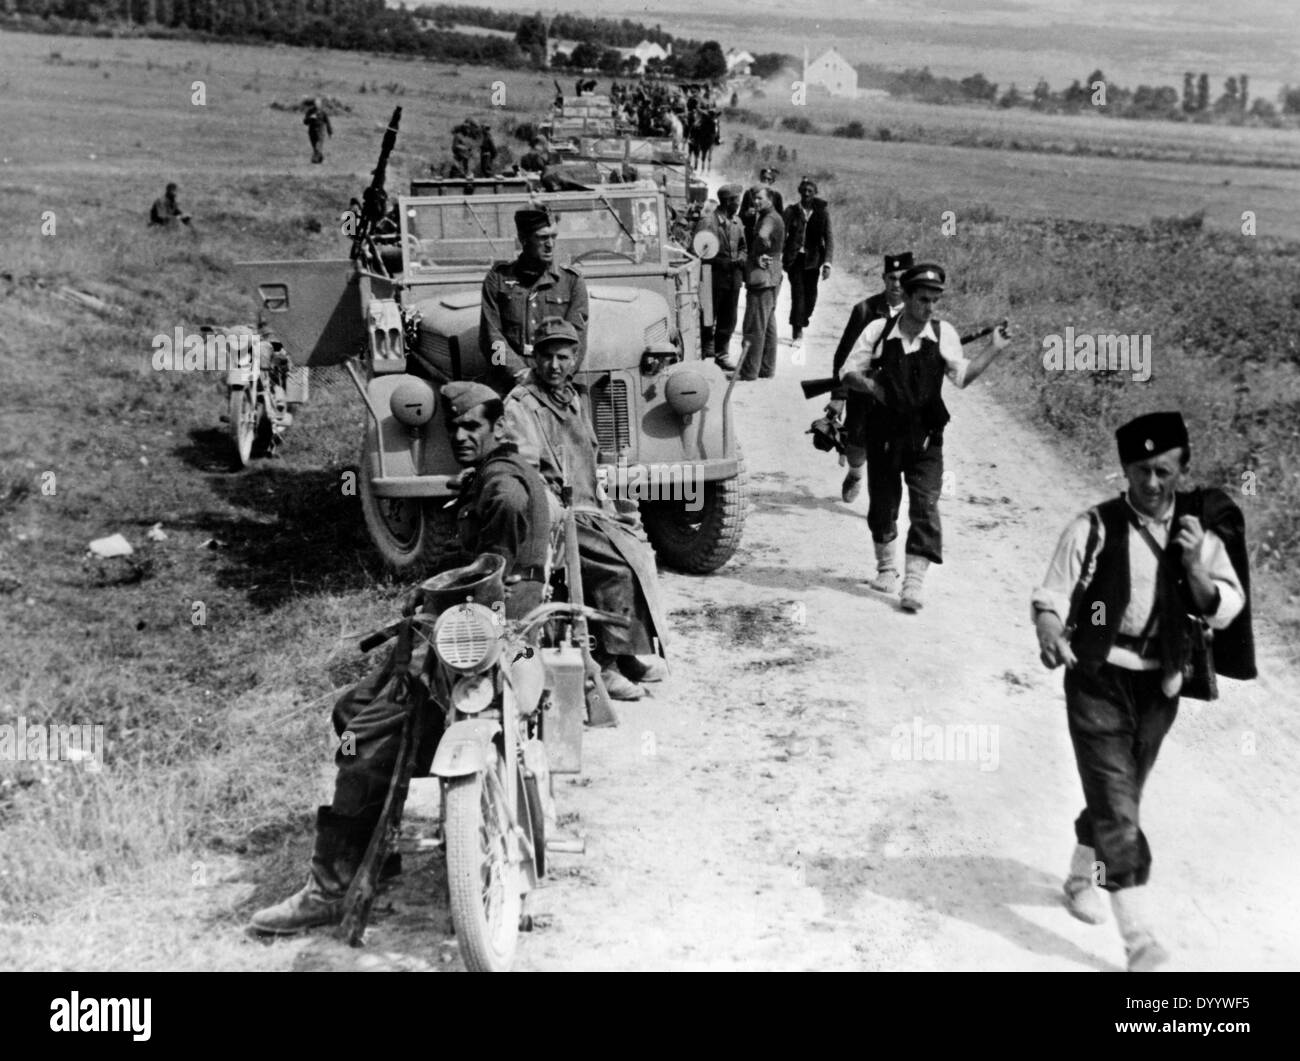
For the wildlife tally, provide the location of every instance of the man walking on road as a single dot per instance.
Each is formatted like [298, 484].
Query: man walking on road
[809, 248]
[762, 282]
[901, 362]
[888, 304]
[727, 271]
[1130, 583]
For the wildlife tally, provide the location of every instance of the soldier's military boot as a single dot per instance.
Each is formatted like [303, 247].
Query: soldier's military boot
[1082, 896]
[1143, 952]
[340, 846]
[886, 580]
[914, 571]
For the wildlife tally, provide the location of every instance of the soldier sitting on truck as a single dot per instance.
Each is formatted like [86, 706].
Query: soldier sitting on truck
[544, 417]
[518, 295]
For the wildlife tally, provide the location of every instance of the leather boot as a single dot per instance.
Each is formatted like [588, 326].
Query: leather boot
[914, 571]
[1082, 897]
[340, 846]
[886, 580]
[1144, 953]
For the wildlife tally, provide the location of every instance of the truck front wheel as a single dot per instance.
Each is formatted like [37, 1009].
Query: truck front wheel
[699, 542]
[414, 536]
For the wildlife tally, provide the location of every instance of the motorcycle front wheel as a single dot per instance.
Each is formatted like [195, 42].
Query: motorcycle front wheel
[484, 880]
[242, 421]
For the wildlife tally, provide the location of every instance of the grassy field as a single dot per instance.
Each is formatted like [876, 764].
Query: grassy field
[217, 732]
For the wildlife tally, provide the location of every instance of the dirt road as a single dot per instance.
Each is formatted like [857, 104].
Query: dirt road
[781, 802]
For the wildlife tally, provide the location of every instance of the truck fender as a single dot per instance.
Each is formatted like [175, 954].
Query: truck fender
[463, 749]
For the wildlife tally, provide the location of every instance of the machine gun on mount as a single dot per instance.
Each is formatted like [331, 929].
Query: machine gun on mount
[813, 387]
[374, 200]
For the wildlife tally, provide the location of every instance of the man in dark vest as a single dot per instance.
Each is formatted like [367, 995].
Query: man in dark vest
[1128, 586]
[809, 250]
[504, 509]
[854, 408]
[901, 361]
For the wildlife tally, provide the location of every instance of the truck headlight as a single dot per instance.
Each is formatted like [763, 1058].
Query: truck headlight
[466, 638]
[686, 391]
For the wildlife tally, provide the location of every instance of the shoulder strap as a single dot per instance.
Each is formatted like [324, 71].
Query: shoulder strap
[1085, 572]
[889, 324]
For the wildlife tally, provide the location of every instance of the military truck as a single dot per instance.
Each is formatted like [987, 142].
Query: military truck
[403, 318]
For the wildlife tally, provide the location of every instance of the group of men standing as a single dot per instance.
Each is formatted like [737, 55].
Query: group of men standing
[759, 241]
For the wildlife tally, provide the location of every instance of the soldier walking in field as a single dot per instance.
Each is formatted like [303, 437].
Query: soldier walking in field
[318, 127]
[901, 361]
[853, 407]
[1132, 584]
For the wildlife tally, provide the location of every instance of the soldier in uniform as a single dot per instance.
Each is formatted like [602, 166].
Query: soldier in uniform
[518, 295]
[886, 304]
[1127, 588]
[166, 211]
[318, 126]
[901, 362]
[545, 418]
[466, 148]
[809, 249]
[504, 509]
[537, 158]
[727, 271]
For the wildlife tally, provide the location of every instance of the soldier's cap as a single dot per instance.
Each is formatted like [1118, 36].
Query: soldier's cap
[898, 263]
[729, 191]
[927, 274]
[463, 395]
[555, 330]
[529, 222]
[1150, 435]
[767, 173]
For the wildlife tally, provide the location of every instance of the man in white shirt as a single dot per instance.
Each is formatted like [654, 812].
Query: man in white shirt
[901, 361]
[1127, 581]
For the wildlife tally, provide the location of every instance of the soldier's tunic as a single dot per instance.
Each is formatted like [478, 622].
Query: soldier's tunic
[515, 301]
[905, 433]
[857, 405]
[504, 510]
[618, 567]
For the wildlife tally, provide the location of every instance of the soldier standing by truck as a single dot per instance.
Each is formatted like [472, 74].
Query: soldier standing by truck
[762, 282]
[727, 271]
[519, 295]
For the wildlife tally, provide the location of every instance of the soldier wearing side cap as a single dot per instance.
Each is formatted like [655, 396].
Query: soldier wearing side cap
[519, 295]
[544, 417]
[727, 271]
[1123, 602]
[853, 406]
[901, 361]
[504, 509]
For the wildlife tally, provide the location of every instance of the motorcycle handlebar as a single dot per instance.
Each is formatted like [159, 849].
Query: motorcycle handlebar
[538, 615]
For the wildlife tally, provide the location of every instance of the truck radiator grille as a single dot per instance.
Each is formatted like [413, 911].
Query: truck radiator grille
[610, 413]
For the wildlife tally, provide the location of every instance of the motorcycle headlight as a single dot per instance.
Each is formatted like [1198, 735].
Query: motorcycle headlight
[472, 693]
[467, 638]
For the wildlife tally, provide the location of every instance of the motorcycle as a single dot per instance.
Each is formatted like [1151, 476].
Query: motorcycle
[512, 695]
[258, 385]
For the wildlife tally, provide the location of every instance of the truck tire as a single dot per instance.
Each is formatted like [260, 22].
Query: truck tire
[699, 543]
[415, 537]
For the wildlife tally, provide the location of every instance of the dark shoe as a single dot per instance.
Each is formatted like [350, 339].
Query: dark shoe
[852, 486]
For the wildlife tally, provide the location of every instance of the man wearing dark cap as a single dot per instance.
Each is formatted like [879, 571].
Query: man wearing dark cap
[1129, 585]
[809, 249]
[504, 509]
[544, 418]
[855, 407]
[727, 270]
[762, 284]
[901, 361]
[749, 212]
[518, 295]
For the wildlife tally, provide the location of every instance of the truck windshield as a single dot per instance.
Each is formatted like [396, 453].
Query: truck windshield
[457, 235]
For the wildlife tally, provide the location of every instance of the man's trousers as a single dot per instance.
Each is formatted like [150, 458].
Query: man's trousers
[891, 463]
[803, 292]
[726, 304]
[1118, 719]
[758, 347]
